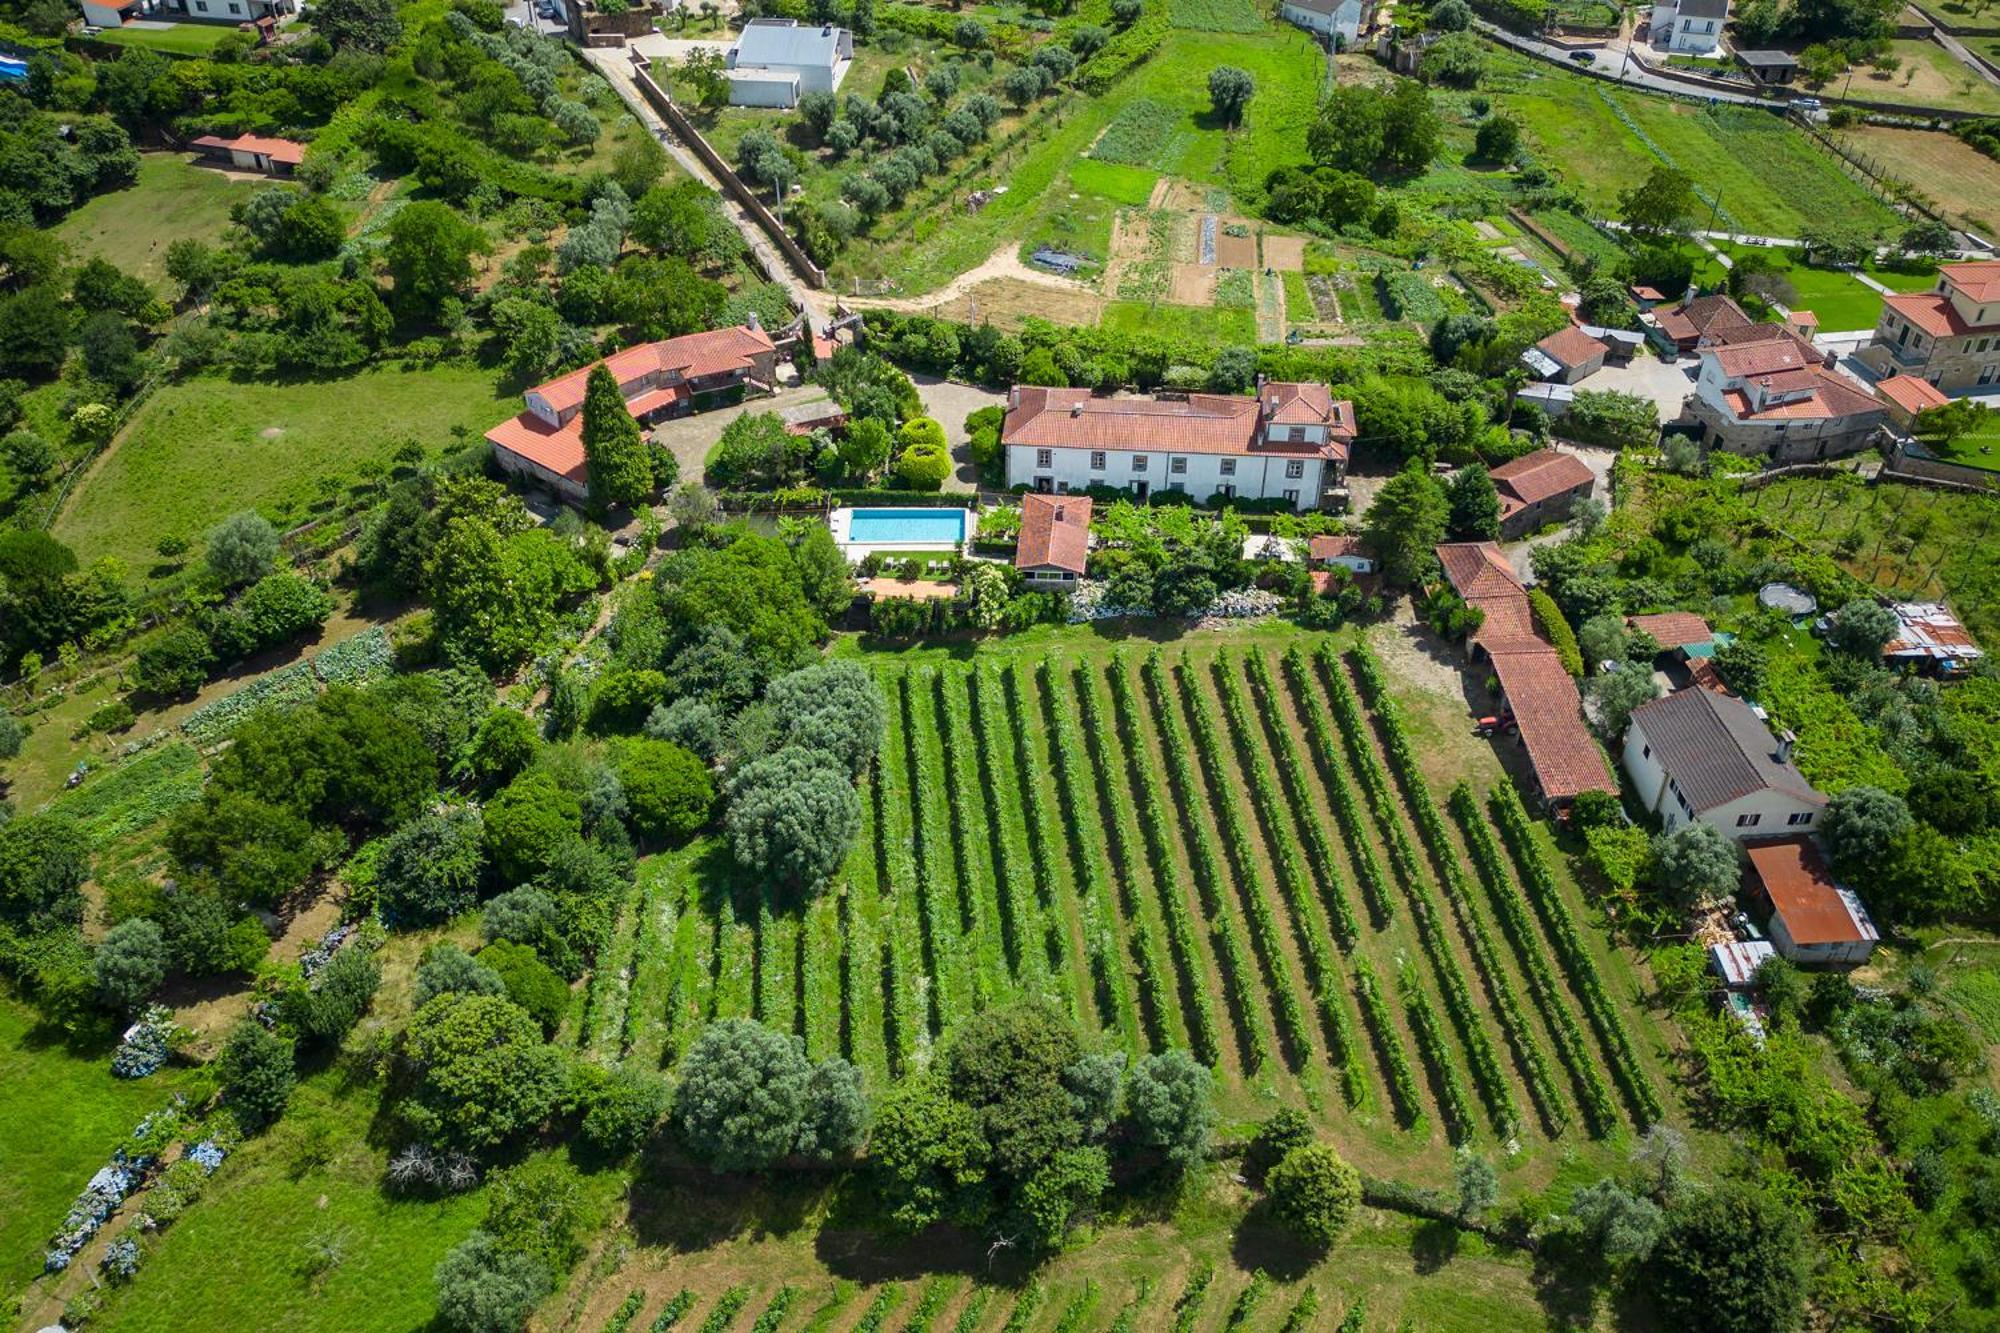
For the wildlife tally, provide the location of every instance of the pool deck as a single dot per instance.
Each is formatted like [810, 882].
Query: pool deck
[840, 521]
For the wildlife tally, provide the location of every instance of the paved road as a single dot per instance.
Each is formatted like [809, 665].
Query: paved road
[615, 64]
[1965, 57]
[1606, 60]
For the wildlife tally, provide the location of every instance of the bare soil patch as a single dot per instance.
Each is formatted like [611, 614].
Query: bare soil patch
[1286, 254]
[1007, 303]
[1192, 284]
[1235, 251]
[1129, 230]
[1159, 195]
[1182, 197]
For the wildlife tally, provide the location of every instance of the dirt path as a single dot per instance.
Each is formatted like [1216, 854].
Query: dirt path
[1004, 262]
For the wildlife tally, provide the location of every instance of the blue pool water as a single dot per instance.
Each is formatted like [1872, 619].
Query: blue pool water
[906, 527]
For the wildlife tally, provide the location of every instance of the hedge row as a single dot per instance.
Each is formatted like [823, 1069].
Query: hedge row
[1431, 826]
[1582, 968]
[1325, 752]
[1232, 960]
[1263, 921]
[1598, 1110]
[1550, 617]
[1315, 944]
[1155, 828]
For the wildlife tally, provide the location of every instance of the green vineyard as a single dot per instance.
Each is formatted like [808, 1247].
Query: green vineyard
[1236, 852]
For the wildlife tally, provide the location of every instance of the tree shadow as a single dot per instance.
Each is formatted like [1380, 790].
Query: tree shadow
[1567, 1281]
[1260, 1243]
[1433, 1245]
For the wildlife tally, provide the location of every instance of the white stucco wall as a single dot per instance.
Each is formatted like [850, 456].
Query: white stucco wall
[1772, 811]
[1256, 478]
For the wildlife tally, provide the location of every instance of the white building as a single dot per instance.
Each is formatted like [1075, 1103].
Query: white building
[1814, 920]
[1338, 20]
[1690, 27]
[1701, 755]
[777, 61]
[1290, 442]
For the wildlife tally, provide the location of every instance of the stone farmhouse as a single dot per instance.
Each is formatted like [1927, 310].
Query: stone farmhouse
[1949, 336]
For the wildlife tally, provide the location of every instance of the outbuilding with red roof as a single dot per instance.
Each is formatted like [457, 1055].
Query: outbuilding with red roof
[1055, 539]
[1814, 918]
[251, 152]
[1540, 488]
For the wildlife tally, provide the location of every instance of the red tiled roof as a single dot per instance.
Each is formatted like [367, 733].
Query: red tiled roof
[1331, 546]
[1055, 532]
[557, 448]
[1541, 475]
[1673, 629]
[1910, 393]
[1931, 312]
[1571, 346]
[1789, 352]
[1202, 423]
[1477, 569]
[1735, 335]
[694, 355]
[1832, 395]
[1705, 316]
[1649, 293]
[278, 150]
[1549, 712]
[1979, 281]
[1298, 404]
[1802, 891]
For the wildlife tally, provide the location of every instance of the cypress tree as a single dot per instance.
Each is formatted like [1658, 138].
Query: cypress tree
[620, 472]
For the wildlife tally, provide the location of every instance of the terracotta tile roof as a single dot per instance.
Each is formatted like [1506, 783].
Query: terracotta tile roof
[288, 151]
[1788, 352]
[1298, 404]
[1735, 335]
[1477, 569]
[1055, 532]
[1202, 423]
[1549, 712]
[557, 448]
[695, 355]
[1673, 629]
[1717, 750]
[1571, 346]
[1832, 395]
[1910, 393]
[1931, 312]
[1331, 546]
[1649, 294]
[1816, 910]
[1979, 281]
[1705, 316]
[1541, 475]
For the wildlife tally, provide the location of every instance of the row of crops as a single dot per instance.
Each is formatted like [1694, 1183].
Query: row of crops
[1231, 853]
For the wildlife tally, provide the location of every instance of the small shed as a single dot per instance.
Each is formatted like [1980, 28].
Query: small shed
[1737, 961]
[1769, 66]
[1054, 546]
[1814, 919]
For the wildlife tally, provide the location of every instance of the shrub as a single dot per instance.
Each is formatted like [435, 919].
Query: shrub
[430, 869]
[242, 549]
[130, 964]
[257, 1074]
[1550, 618]
[530, 982]
[483, 1288]
[447, 969]
[621, 1109]
[792, 815]
[667, 788]
[1314, 1193]
[480, 1075]
[1168, 1101]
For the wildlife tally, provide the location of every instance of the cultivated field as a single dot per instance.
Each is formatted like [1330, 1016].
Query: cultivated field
[1963, 181]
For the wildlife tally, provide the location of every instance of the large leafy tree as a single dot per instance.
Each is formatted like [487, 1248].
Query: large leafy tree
[130, 964]
[1661, 204]
[835, 708]
[929, 1157]
[1475, 505]
[480, 1075]
[667, 788]
[255, 850]
[484, 1287]
[1697, 863]
[1861, 827]
[1314, 1193]
[429, 254]
[792, 816]
[751, 588]
[620, 472]
[257, 1074]
[1731, 1259]
[430, 868]
[1168, 1101]
[369, 25]
[748, 1096]
[527, 822]
[1406, 520]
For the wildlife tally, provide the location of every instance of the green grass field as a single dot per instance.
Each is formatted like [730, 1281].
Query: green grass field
[171, 200]
[181, 39]
[66, 1113]
[1204, 323]
[1131, 186]
[200, 451]
[1842, 302]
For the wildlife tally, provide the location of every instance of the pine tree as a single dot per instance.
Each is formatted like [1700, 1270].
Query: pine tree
[620, 472]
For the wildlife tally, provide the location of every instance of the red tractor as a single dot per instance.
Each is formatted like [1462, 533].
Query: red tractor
[1502, 725]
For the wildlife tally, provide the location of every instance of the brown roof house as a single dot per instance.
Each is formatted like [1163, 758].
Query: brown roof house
[658, 379]
[1781, 400]
[1949, 335]
[1547, 708]
[1290, 442]
[1814, 919]
[1565, 356]
[1538, 489]
[1701, 755]
[1691, 321]
[1055, 539]
[1906, 396]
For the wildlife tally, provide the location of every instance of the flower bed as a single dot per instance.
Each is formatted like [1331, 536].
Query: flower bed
[144, 1048]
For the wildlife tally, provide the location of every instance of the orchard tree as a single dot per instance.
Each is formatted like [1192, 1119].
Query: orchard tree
[480, 1076]
[1861, 826]
[1614, 1224]
[835, 708]
[668, 788]
[130, 964]
[748, 1097]
[446, 969]
[1168, 1101]
[1660, 205]
[835, 1117]
[242, 549]
[532, 334]
[1314, 1194]
[928, 1157]
[1697, 864]
[429, 255]
[1861, 627]
[1229, 92]
[257, 1073]
[1602, 638]
[621, 1109]
[483, 1287]
[430, 868]
[1731, 1259]
[1617, 693]
[792, 816]
[613, 447]
[1478, 1184]
[365, 25]
[1498, 139]
[526, 822]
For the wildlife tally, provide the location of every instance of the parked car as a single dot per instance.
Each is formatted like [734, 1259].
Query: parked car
[1584, 57]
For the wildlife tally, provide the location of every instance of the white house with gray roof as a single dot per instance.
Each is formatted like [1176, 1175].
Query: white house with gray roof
[1339, 19]
[1701, 755]
[777, 61]
[1690, 27]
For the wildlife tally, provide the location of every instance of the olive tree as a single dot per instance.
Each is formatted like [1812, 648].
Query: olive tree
[130, 964]
[1697, 864]
[792, 816]
[1167, 1100]
[242, 549]
[1862, 627]
[257, 1074]
[748, 1097]
[1862, 824]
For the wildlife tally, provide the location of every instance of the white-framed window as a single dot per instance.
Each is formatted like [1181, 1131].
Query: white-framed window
[1138, 462]
[1097, 460]
[1228, 467]
[1177, 466]
[1294, 470]
[1748, 821]
[1045, 458]
[1799, 820]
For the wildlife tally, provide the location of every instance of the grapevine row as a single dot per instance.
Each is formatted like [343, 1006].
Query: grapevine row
[1375, 1009]
[1188, 1308]
[1598, 1111]
[1368, 866]
[1314, 943]
[1199, 1009]
[935, 899]
[1582, 968]
[1374, 778]
[1292, 768]
[1430, 824]
[828, 1029]
[1010, 863]
[902, 957]
[1263, 922]
[774, 1313]
[978, 900]
[688, 996]
[1431, 1045]
[1041, 832]
[1155, 974]
[726, 1310]
[864, 1008]
[1076, 794]
[1231, 957]
[936, 1294]
[676, 1310]
[735, 963]
[1458, 1000]
[774, 995]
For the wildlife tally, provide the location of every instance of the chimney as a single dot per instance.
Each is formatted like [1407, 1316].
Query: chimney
[750, 320]
[1013, 397]
[1076, 408]
[1059, 512]
[1786, 740]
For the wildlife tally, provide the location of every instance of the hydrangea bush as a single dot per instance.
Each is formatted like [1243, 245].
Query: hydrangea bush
[146, 1044]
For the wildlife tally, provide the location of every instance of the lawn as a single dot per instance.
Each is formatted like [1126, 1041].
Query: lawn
[1842, 303]
[1956, 177]
[1201, 323]
[64, 1113]
[1929, 76]
[202, 450]
[170, 200]
[1131, 186]
[181, 39]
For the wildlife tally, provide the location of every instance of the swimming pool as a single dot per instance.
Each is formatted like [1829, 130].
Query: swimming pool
[908, 529]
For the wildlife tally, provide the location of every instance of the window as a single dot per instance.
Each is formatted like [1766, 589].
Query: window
[1748, 821]
[1228, 467]
[1799, 820]
[1176, 485]
[1645, 752]
[1097, 460]
[1045, 458]
[1177, 466]
[1138, 462]
[1291, 497]
[1294, 470]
